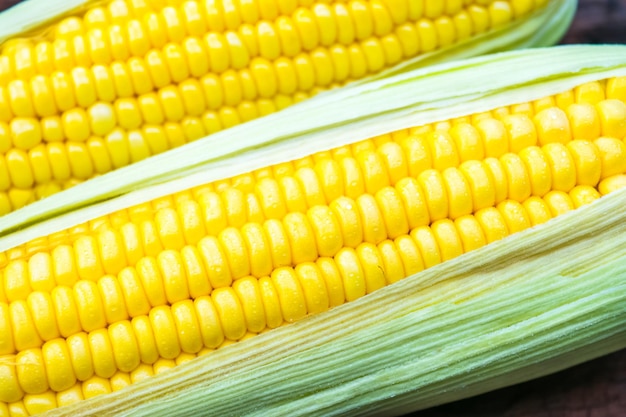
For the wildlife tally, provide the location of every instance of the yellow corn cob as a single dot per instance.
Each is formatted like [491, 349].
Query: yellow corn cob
[94, 308]
[128, 79]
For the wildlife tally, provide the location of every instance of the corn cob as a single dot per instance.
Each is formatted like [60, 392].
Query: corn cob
[119, 81]
[120, 298]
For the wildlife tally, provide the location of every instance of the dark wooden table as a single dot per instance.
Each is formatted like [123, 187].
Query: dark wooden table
[593, 389]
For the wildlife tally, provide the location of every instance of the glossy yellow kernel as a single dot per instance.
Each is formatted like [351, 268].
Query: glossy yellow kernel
[558, 202]
[408, 40]
[89, 305]
[19, 198]
[20, 171]
[323, 66]
[499, 177]
[470, 233]
[432, 184]
[25, 132]
[468, 142]
[612, 153]
[58, 365]
[457, 187]
[165, 334]
[71, 395]
[583, 194]
[215, 262]
[80, 355]
[448, 239]
[480, 18]
[20, 98]
[301, 237]
[552, 126]
[137, 37]
[463, 25]
[310, 184]
[352, 274]
[514, 215]
[98, 46]
[480, 182]
[418, 154]
[131, 286]
[519, 184]
[492, 223]
[426, 242]
[374, 228]
[495, 137]
[587, 160]
[537, 210]
[562, 166]
[43, 96]
[40, 403]
[30, 370]
[230, 312]
[76, 126]
[612, 115]
[347, 216]
[41, 307]
[24, 329]
[500, 13]
[446, 31]
[374, 55]
[392, 209]
[371, 262]
[187, 326]
[151, 274]
[616, 88]
[538, 168]
[443, 150]
[279, 242]
[584, 121]
[264, 76]
[234, 249]
[375, 175]
[5, 109]
[521, 132]
[112, 299]
[381, 18]
[249, 293]
[88, 260]
[269, 43]
[610, 184]
[11, 390]
[144, 334]
[217, 49]
[427, 35]
[541, 104]
[208, 321]
[16, 280]
[591, 93]
[307, 29]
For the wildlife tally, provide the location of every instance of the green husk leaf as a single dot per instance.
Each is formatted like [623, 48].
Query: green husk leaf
[534, 303]
[332, 119]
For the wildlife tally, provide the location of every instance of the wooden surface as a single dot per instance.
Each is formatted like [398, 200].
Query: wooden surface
[596, 388]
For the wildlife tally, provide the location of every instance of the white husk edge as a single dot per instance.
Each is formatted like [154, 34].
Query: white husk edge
[332, 119]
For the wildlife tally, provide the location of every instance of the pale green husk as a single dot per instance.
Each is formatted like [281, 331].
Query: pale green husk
[534, 303]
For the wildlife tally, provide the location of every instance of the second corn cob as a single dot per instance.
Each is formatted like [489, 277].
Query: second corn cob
[127, 79]
[150, 286]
